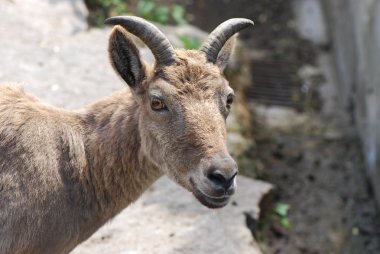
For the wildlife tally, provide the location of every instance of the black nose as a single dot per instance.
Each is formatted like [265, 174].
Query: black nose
[223, 180]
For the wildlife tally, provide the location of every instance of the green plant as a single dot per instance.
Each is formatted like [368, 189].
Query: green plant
[114, 5]
[274, 218]
[189, 42]
[145, 8]
[281, 211]
[148, 9]
[101, 9]
[161, 15]
[178, 14]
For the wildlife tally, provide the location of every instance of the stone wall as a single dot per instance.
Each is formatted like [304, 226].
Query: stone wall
[355, 35]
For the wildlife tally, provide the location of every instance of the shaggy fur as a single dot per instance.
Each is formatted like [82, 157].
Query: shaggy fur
[63, 174]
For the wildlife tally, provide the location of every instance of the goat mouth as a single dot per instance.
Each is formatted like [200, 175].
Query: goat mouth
[211, 202]
[207, 200]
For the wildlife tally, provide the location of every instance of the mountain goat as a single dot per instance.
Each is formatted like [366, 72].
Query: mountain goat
[63, 174]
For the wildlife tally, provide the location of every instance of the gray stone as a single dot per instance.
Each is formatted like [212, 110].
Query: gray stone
[41, 21]
[355, 32]
[168, 219]
[311, 21]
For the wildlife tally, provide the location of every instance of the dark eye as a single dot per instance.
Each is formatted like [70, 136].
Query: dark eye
[157, 104]
[230, 100]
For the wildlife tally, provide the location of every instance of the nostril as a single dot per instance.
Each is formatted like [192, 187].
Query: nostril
[217, 178]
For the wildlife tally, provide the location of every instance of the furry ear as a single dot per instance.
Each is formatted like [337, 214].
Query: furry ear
[225, 53]
[125, 57]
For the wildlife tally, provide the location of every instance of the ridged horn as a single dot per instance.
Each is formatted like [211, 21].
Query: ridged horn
[157, 42]
[216, 40]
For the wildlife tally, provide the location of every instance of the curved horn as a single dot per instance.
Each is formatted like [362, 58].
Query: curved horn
[157, 42]
[216, 40]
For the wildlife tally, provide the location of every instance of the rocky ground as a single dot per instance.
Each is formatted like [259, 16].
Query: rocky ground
[318, 170]
[168, 220]
[46, 46]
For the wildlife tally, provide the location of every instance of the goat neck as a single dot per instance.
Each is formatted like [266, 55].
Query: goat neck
[118, 170]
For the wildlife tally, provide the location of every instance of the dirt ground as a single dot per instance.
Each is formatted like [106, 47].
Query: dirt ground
[318, 170]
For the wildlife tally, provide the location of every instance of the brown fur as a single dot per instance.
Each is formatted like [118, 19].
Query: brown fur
[63, 174]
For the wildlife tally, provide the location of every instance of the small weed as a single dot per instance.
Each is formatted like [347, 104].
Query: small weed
[281, 211]
[178, 14]
[189, 42]
[148, 9]
[101, 9]
[274, 220]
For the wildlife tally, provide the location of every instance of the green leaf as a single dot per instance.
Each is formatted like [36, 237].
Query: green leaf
[161, 15]
[107, 3]
[281, 209]
[189, 42]
[145, 8]
[120, 7]
[285, 223]
[178, 14]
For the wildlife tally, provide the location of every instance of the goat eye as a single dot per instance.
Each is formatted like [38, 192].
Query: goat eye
[230, 99]
[157, 104]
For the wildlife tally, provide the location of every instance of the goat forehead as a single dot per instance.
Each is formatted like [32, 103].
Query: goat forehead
[201, 112]
[192, 74]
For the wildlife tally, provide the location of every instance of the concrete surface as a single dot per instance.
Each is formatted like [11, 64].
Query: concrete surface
[311, 21]
[167, 219]
[355, 32]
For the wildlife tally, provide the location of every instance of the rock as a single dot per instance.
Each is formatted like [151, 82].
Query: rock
[44, 46]
[41, 20]
[168, 219]
[311, 21]
[355, 43]
[278, 117]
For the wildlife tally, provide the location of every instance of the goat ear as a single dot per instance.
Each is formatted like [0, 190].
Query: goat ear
[225, 53]
[125, 57]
